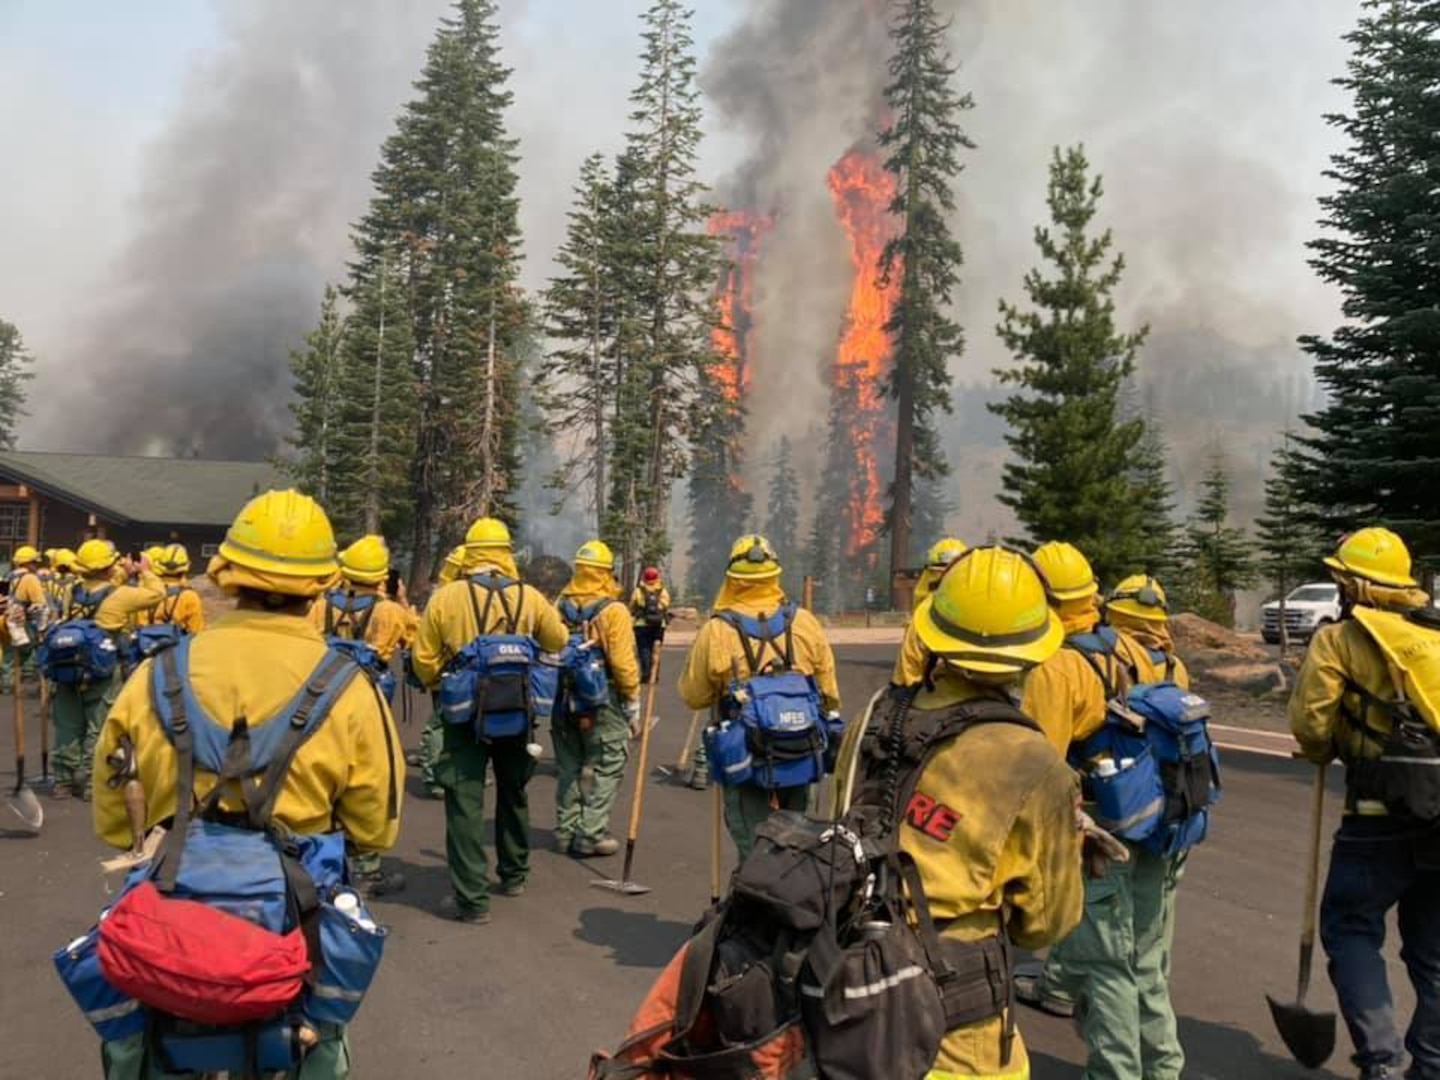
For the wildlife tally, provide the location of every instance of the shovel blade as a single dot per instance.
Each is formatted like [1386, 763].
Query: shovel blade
[27, 808]
[624, 888]
[1309, 1036]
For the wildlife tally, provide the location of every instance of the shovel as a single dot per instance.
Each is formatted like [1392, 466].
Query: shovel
[22, 800]
[1310, 1036]
[46, 718]
[625, 886]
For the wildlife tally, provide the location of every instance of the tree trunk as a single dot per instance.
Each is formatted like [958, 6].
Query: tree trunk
[487, 434]
[372, 479]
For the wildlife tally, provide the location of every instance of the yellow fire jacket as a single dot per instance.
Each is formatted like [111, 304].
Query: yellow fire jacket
[386, 629]
[638, 598]
[123, 605]
[1000, 835]
[184, 609]
[717, 653]
[611, 628]
[1326, 708]
[350, 773]
[448, 624]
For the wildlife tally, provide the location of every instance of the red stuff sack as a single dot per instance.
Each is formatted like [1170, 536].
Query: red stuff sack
[198, 963]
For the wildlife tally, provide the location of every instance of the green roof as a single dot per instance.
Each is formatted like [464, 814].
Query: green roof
[143, 490]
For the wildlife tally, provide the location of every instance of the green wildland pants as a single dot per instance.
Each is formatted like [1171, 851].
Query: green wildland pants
[1116, 965]
[79, 714]
[604, 748]
[746, 807]
[460, 770]
[129, 1059]
[432, 740]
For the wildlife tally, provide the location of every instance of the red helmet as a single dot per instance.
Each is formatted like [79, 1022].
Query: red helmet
[650, 574]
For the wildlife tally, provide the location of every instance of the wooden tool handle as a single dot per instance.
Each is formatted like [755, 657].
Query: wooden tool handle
[19, 721]
[717, 804]
[1312, 885]
[135, 811]
[637, 804]
[688, 750]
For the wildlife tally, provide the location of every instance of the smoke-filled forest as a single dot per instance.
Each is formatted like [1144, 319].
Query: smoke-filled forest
[858, 274]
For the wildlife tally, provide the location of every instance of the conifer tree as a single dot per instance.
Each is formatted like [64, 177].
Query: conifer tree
[1290, 546]
[576, 386]
[665, 394]
[1156, 533]
[1218, 560]
[445, 209]
[1071, 480]
[1375, 455]
[316, 404]
[782, 514]
[922, 143]
[15, 371]
[377, 414]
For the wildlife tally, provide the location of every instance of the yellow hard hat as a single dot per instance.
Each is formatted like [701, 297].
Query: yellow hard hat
[283, 533]
[64, 559]
[944, 552]
[172, 560]
[753, 559]
[24, 554]
[366, 561]
[488, 532]
[153, 552]
[1067, 572]
[1374, 554]
[96, 556]
[990, 614]
[595, 553]
[1140, 597]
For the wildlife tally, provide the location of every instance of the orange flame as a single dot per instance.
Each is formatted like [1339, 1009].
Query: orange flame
[862, 190]
[735, 299]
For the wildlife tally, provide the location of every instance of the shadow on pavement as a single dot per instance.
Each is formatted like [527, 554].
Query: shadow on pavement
[425, 885]
[635, 939]
[1220, 1052]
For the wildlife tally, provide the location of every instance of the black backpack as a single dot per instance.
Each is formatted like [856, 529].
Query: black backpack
[826, 930]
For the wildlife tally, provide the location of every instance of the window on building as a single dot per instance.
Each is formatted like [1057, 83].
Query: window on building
[209, 551]
[14, 521]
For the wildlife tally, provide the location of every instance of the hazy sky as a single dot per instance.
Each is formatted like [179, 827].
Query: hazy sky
[179, 175]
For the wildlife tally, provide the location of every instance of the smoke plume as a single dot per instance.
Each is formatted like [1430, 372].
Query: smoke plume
[1206, 122]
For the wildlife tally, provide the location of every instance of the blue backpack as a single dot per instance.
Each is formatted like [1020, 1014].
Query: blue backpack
[244, 865]
[162, 634]
[584, 670]
[1152, 771]
[347, 620]
[77, 652]
[771, 734]
[496, 683]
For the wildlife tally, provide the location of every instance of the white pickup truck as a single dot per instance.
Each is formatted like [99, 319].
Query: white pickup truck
[1306, 610]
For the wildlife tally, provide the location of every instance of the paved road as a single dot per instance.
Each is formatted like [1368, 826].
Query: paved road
[558, 972]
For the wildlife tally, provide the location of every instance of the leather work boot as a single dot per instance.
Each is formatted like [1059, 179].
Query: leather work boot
[585, 849]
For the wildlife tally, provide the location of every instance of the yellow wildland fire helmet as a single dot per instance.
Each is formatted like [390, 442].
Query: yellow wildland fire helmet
[1067, 572]
[284, 533]
[944, 552]
[1140, 597]
[96, 556]
[366, 561]
[24, 555]
[595, 553]
[1376, 555]
[990, 614]
[172, 560]
[753, 559]
[488, 532]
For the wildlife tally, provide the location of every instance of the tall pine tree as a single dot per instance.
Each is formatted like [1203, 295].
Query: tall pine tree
[15, 372]
[1153, 502]
[577, 385]
[446, 211]
[1071, 481]
[666, 390]
[1375, 454]
[922, 143]
[1290, 547]
[317, 403]
[782, 513]
[1218, 559]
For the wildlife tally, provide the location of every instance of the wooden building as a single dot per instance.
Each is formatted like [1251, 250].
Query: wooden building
[61, 500]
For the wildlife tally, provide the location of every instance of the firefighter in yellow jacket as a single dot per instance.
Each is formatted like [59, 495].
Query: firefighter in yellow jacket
[493, 593]
[357, 607]
[181, 606]
[650, 605]
[997, 846]
[595, 744]
[277, 556]
[79, 709]
[718, 657]
[937, 560]
[1384, 856]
